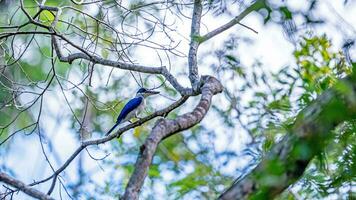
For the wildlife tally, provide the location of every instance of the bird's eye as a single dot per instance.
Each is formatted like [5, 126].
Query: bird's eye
[141, 90]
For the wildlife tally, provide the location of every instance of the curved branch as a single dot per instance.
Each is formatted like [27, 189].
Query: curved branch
[98, 60]
[117, 64]
[291, 156]
[23, 187]
[165, 128]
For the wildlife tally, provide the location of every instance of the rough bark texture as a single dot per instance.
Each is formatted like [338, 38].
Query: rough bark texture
[194, 44]
[23, 187]
[287, 160]
[165, 128]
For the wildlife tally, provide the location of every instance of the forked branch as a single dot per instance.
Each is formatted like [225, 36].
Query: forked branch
[165, 128]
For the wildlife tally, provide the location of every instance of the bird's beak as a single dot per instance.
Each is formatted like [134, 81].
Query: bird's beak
[151, 92]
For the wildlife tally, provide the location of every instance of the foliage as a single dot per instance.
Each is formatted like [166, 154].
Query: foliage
[276, 100]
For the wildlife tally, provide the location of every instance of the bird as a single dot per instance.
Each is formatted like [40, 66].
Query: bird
[133, 107]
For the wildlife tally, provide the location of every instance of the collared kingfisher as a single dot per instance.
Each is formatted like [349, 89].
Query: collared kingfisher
[133, 107]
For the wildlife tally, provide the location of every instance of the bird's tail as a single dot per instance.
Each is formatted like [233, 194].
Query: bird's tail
[108, 133]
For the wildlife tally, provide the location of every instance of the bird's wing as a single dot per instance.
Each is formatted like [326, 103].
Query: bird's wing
[130, 106]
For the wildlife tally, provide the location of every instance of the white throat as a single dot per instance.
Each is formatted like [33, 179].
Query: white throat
[140, 95]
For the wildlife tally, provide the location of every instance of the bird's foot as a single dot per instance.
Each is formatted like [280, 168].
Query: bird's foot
[137, 117]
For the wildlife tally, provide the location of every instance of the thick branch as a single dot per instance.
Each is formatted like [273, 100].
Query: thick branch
[23, 187]
[255, 6]
[165, 128]
[307, 138]
[194, 44]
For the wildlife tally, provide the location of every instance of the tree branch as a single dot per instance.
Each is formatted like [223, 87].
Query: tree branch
[194, 44]
[306, 139]
[5, 35]
[117, 64]
[165, 128]
[255, 6]
[23, 187]
[118, 133]
[84, 54]
[98, 60]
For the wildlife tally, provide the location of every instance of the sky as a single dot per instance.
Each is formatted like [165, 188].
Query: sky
[269, 46]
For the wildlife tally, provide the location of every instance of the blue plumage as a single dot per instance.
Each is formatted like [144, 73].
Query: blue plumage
[130, 106]
[133, 107]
